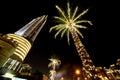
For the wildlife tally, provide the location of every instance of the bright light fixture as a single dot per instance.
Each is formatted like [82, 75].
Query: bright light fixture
[8, 75]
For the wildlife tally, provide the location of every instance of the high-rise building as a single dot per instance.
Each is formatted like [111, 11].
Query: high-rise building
[14, 47]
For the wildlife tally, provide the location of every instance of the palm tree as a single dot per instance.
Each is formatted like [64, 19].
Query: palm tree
[52, 74]
[54, 62]
[70, 23]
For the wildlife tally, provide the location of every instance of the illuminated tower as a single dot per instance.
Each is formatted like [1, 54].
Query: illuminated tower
[19, 45]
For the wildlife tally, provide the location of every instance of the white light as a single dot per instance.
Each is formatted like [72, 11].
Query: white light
[15, 78]
[8, 75]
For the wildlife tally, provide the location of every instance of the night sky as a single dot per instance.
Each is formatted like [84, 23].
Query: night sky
[101, 40]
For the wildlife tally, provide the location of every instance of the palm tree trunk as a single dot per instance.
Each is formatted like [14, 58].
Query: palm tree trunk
[85, 58]
[54, 66]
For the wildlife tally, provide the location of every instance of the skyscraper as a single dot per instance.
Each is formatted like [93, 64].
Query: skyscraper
[14, 47]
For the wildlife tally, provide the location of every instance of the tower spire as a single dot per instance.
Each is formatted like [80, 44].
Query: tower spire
[31, 29]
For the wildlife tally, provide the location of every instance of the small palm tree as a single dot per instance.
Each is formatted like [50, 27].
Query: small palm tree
[52, 74]
[71, 23]
[54, 61]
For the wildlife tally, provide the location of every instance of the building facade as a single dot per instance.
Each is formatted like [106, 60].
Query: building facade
[14, 47]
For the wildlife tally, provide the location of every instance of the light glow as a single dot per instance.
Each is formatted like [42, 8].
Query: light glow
[77, 71]
[8, 75]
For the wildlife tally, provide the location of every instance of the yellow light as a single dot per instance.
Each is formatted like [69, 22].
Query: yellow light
[77, 71]
[23, 46]
[85, 78]
[62, 78]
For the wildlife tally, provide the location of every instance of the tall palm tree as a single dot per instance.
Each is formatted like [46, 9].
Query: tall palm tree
[71, 23]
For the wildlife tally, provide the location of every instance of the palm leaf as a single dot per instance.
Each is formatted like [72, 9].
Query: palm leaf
[81, 14]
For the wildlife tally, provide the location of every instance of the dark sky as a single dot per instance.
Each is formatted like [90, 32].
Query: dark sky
[101, 40]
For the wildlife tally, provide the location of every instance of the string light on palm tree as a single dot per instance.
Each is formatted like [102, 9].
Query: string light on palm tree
[54, 61]
[52, 74]
[70, 23]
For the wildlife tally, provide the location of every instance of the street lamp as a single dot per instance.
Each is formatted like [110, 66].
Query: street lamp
[77, 72]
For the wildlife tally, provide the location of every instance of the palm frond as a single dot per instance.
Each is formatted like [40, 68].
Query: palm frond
[81, 26]
[81, 14]
[68, 10]
[49, 65]
[74, 13]
[63, 32]
[78, 32]
[62, 12]
[53, 28]
[56, 27]
[59, 31]
[61, 19]
[83, 21]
